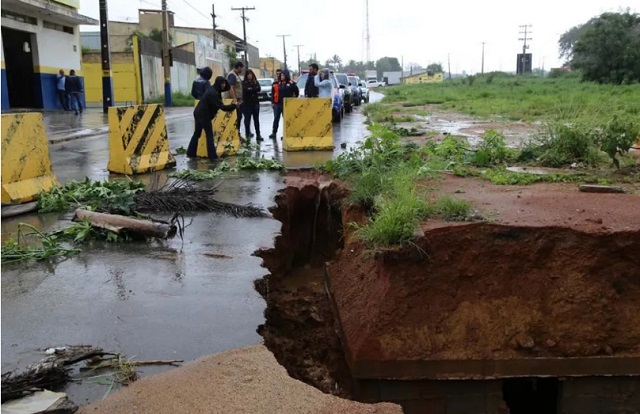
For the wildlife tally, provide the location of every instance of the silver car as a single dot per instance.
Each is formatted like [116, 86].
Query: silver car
[364, 91]
[265, 89]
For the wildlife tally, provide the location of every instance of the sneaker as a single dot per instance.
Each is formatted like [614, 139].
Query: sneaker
[250, 135]
[259, 138]
[272, 136]
[76, 112]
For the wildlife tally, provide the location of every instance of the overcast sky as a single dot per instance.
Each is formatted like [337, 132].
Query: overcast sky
[418, 31]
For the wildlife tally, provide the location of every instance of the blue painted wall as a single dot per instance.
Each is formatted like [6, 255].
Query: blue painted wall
[5, 91]
[44, 92]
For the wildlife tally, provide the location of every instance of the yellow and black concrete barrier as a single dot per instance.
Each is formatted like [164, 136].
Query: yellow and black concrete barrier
[26, 165]
[226, 135]
[138, 141]
[307, 124]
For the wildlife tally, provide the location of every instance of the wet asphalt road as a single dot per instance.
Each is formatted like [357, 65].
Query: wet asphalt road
[169, 300]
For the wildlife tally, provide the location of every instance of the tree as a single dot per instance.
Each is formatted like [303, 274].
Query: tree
[569, 38]
[608, 50]
[337, 62]
[387, 64]
[435, 67]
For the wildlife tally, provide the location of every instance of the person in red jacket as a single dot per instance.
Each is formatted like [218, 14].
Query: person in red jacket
[286, 88]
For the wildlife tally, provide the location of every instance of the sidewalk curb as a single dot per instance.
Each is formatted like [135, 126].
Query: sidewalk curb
[104, 130]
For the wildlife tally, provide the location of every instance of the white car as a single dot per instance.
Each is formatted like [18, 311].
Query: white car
[373, 83]
[265, 89]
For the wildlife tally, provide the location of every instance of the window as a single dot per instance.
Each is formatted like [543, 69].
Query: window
[58, 27]
[20, 17]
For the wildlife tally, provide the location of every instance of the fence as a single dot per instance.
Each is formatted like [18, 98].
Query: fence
[138, 75]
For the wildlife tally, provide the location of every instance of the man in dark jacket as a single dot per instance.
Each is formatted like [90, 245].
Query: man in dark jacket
[286, 88]
[204, 113]
[74, 89]
[310, 89]
[200, 85]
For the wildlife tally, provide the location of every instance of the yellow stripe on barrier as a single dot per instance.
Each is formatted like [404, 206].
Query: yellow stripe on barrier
[26, 165]
[138, 141]
[225, 134]
[307, 124]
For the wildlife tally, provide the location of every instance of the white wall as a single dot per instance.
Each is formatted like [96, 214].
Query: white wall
[182, 75]
[53, 49]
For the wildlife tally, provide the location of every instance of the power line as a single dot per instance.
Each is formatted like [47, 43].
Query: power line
[197, 10]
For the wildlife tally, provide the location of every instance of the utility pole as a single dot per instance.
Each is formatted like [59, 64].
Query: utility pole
[525, 31]
[367, 32]
[244, 31]
[284, 48]
[449, 64]
[166, 55]
[215, 33]
[107, 84]
[298, 47]
[482, 70]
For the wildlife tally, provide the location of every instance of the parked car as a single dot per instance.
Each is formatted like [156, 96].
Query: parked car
[354, 84]
[343, 81]
[364, 92]
[337, 93]
[373, 83]
[265, 89]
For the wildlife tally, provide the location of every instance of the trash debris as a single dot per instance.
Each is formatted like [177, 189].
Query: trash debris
[592, 188]
[49, 373]
[119, 224]
[53, 371]
[41, 402]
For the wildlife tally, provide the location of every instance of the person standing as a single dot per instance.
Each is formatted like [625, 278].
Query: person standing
[74, 89]
[323, 84]
[235, 85]
[251, 104]
[200, 85]
[310, 88]
[204, 113]
[286, 88]
[62, 92]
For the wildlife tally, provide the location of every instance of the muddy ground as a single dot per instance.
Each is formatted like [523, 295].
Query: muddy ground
[439, 123]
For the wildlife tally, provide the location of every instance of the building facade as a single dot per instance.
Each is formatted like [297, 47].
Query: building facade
[39, 37]
[424, 77]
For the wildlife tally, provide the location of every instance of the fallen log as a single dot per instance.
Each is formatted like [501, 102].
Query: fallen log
[119, 224]
[11, 210]
[589, 188]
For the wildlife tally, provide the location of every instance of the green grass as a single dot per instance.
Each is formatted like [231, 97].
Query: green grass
[523, 98]
[178, 99]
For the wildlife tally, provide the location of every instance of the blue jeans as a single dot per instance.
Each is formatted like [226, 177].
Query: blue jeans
[74, 101]
[277, 113]
[202, 124]
[64, 99]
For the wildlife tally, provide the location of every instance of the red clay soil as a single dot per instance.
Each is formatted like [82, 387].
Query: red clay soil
[545, 205]
[556, 273]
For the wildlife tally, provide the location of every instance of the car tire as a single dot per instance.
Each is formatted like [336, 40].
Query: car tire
[347, 109]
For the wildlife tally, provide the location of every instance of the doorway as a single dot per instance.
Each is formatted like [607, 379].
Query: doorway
[18, 59]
